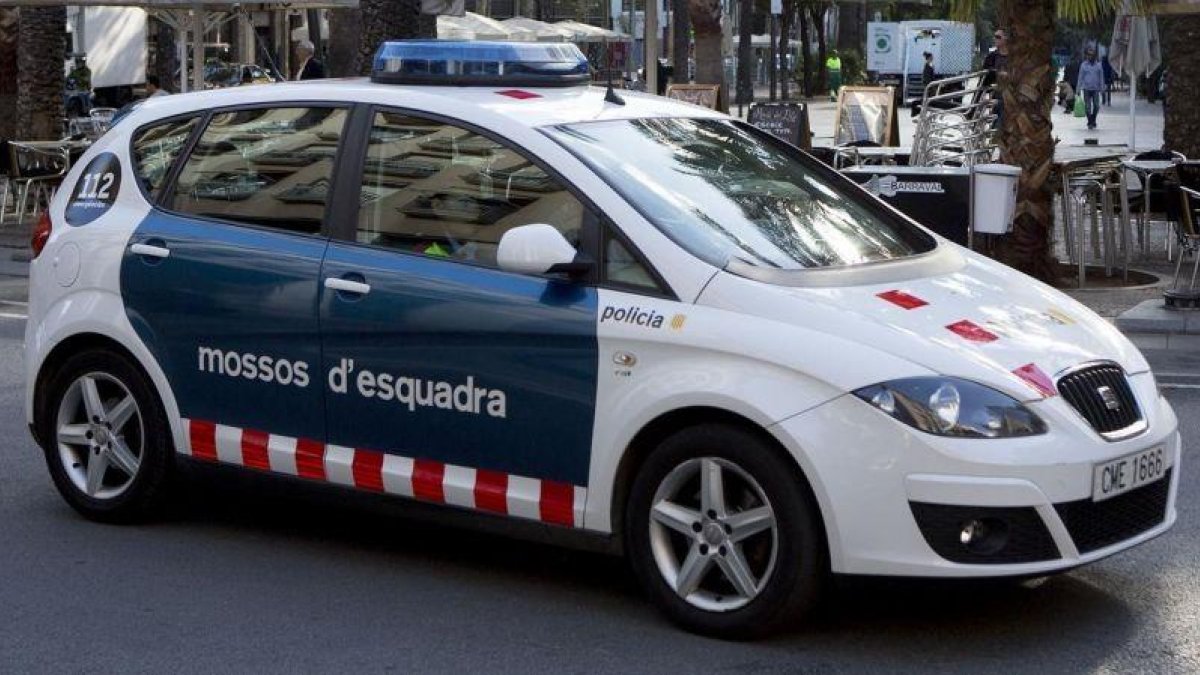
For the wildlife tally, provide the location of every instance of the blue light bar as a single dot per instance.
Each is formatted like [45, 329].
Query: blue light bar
[525, 64]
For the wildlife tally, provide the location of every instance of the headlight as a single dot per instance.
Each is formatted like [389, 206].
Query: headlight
[948, 406]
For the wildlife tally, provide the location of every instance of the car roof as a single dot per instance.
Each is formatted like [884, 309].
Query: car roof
[525, 106]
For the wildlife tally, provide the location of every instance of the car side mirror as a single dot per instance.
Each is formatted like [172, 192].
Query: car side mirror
[538, 249]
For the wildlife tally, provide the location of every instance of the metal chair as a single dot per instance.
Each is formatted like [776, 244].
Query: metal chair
[1188, 219]
[37, 171]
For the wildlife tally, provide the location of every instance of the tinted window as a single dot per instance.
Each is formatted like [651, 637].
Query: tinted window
[726, 193]
[155, 149]
[439, 190]
[268, 166]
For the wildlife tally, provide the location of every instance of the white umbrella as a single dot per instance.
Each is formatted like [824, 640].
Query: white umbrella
[543, 31]
[1135, 51]
[584, 32]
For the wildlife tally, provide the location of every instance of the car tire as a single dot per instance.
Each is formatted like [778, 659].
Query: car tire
[106, 437]
[691, 552]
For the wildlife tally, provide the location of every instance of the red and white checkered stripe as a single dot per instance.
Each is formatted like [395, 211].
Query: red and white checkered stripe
[374, 471]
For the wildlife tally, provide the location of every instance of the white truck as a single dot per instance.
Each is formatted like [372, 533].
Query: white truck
[895, 51]
[113, 39]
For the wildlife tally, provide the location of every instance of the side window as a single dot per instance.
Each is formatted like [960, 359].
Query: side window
[439, 190]
[155, 149]
[265, 166]
[623, 268]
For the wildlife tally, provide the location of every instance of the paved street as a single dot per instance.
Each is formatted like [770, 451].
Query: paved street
[258, 575]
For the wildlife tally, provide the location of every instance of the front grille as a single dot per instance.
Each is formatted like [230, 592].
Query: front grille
[1102, 395]
[1023, 537]
[1094, 525]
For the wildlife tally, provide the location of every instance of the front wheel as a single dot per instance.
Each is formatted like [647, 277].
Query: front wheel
[106, 438]
[723, 535]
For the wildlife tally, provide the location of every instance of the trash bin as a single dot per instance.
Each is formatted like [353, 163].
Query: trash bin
[995, 197]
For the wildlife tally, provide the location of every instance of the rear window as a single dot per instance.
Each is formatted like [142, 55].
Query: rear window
[155, 149]
[269, 167]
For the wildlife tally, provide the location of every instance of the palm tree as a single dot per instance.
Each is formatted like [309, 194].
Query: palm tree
[1026, 90]
[1181, 123]
[681, 38]
[745, 52]
[8, 71]
[380, 20]
[40, 78]
[710, 64]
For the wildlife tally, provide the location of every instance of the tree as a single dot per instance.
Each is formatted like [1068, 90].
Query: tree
[785, 28]
[745, 52]
[8, 71]
[41, 37]
[1026, 92]
[381, 20]
[818, 10]
[681, 39]
[710, 63]
[1181, 118]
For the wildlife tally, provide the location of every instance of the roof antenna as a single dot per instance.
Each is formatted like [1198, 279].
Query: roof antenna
[611, 95]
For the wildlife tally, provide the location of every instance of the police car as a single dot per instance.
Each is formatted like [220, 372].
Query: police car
[473, 280]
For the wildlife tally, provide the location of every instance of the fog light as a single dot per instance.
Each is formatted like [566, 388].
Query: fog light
[983, 536]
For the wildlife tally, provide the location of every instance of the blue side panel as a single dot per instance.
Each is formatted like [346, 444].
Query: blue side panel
[430, 323]
[231, 318]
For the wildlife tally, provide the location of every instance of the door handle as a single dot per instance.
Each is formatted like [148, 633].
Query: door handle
[347, 286]
[152, 251]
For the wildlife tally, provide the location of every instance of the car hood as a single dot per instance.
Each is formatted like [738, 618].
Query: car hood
[969, 317]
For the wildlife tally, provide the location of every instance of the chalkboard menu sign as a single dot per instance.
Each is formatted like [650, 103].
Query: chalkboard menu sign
[704, 95]
[866, 114]
[788, 121]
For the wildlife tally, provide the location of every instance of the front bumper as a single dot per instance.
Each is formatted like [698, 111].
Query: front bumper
[894, 499]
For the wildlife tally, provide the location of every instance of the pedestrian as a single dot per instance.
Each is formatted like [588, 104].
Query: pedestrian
[1110, 76]
[996, 61]
[1089, 85]
[310, 68]
[927, 73]
[833, 68]
[152, 88]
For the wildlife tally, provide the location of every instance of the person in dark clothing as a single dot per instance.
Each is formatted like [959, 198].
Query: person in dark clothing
[996, 61]
[310, 68]
[927, 74]
[1110, 76]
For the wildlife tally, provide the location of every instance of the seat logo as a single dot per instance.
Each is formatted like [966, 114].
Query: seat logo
[1109, 397]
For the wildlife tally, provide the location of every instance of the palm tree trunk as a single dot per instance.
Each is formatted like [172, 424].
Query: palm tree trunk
[710, 66]
[345, 25]
[390, 20]
[785, 27]
[818, 16]
[745, 54]
[8, 72]
[681, 37]
[165, 54]
[805, 53]
[40, 77]
[1025, 140]
[1181, 116]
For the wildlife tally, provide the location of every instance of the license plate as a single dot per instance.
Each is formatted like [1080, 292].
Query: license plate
[1128, 473]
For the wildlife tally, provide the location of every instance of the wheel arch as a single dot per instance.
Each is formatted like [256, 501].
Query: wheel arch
[656, 430]
[63, 350]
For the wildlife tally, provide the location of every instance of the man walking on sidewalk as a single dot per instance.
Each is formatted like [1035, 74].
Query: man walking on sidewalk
[1091, 83]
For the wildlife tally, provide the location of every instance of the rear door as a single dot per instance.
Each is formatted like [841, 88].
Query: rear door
[221, 280]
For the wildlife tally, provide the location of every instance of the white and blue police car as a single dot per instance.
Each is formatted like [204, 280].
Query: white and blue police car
[474, 280]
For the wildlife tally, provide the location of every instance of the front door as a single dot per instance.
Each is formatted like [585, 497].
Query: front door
[448, 379]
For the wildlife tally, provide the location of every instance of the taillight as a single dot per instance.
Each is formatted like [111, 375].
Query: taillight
[41, 233]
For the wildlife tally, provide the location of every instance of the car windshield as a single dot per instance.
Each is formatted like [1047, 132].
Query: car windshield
[727, 193]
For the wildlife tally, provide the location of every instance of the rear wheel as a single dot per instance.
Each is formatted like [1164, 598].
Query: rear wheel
[106, 437]
[723, 535]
